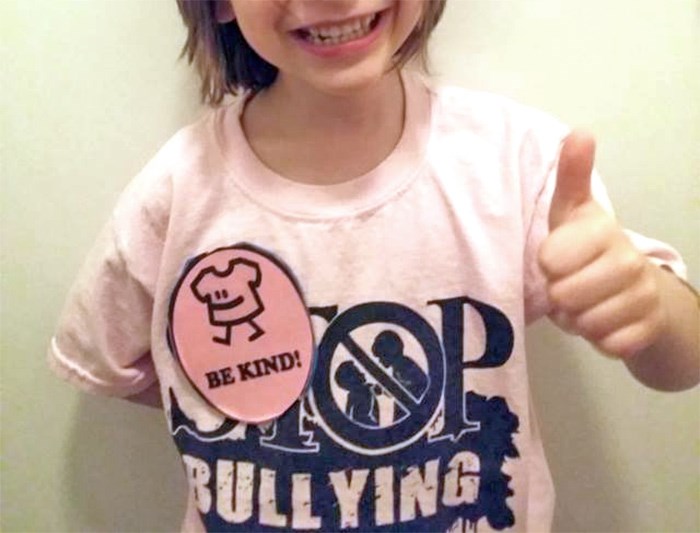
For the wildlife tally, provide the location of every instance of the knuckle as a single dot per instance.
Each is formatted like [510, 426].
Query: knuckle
[543, 259]
[602, 226]
[631, 340]
[583, 329]
[632, 264]
[547, 259]
[615, 346]
[654, 290]
[606, 347]
[557, 297]
[647, 297]
[608, 224]
[562, 320]
[656, 324]
[590, 327]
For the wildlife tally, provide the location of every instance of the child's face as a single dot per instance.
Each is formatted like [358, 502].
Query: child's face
[333, 46]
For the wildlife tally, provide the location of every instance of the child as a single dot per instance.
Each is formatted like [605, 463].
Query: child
[389, 208]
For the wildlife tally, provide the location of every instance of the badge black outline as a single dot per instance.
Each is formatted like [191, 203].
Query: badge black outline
[248, 247]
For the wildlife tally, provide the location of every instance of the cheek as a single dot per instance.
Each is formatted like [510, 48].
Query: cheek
[256, 22]
[409, 14]
[260, 38]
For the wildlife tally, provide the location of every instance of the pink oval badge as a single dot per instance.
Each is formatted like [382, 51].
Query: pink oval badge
[240, 329]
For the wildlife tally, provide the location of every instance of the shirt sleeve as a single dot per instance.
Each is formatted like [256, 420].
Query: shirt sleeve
[201, 286]
[536, 301]
[103, 337]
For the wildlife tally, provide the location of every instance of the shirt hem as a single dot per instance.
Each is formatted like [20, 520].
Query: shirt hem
[69, 371]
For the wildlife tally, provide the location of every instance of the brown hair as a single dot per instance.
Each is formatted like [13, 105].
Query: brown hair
[226, 63]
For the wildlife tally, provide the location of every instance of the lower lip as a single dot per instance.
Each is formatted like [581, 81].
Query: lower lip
[356, 46]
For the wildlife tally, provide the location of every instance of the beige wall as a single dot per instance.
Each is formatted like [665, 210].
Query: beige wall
[90, 89]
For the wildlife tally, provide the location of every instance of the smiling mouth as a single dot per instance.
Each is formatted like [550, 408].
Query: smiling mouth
[329, 35]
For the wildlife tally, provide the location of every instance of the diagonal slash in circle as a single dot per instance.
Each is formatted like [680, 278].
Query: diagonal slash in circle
[401, 395]
[421, 410]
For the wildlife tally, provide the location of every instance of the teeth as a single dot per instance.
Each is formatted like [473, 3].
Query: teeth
[341, 33]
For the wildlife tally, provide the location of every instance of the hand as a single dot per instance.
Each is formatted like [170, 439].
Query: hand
[600, 286]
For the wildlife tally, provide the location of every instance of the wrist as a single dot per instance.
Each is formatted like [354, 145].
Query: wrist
[671, 360]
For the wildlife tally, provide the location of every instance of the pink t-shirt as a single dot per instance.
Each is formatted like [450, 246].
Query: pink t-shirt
[420, 278]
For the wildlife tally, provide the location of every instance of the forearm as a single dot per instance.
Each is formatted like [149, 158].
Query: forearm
[150, 397]
[672, 362]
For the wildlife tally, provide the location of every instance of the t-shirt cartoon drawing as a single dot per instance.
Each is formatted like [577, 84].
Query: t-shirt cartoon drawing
[231, 297]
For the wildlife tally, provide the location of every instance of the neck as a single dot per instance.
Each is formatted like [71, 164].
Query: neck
[357, 130]
[317, 112]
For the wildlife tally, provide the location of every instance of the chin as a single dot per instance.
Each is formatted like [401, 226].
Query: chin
[349, 83]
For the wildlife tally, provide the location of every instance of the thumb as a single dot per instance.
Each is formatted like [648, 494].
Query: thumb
[573, 186]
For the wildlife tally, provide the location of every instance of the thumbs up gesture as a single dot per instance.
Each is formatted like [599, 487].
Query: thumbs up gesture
[600, 286]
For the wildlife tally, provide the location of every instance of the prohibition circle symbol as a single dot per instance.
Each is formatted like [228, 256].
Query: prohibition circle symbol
[241, 332]
[421, 411]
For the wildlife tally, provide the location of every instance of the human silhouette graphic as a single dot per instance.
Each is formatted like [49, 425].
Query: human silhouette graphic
[388, 348]
[361, 406]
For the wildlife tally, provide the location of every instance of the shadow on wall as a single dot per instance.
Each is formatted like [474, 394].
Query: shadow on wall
[590, 497]
[123, 470]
